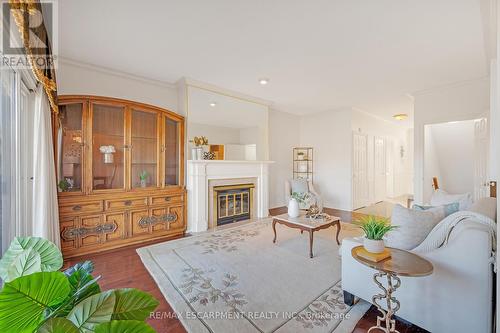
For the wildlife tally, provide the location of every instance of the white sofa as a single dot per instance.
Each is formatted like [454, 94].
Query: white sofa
[457, 297]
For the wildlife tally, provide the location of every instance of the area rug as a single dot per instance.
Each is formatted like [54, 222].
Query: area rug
[237, 280]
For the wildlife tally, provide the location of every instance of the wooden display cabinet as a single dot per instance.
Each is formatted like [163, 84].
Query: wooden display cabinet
[120, 173]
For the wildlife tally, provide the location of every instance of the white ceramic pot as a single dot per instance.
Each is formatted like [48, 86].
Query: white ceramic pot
[197, 153]
[293, 208]
[373, 246]
[108, 158]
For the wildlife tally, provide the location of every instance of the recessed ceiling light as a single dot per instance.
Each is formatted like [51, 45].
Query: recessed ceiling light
[213, 104]
[400, 116]
[263, 81]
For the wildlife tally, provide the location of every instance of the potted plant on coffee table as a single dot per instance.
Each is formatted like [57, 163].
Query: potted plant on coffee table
[375, 229]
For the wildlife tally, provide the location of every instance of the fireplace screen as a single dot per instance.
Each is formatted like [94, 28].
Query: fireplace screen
[232, 203]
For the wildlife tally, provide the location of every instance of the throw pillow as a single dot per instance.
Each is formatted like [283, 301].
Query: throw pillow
[486, 207]
[448, 208]
[299, 185]
[441, 197]
[413, 226]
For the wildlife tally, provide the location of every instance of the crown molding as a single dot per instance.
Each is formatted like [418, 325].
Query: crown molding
[114, 72]
[449, 85]
[188, 82]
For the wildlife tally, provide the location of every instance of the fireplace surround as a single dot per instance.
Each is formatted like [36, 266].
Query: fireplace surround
[204, 175]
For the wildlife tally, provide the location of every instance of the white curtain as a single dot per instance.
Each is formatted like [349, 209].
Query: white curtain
[45, 208]
[7, 158]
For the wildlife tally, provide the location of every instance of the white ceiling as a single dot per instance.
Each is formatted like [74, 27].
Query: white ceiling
[223, 113]
[319, 55]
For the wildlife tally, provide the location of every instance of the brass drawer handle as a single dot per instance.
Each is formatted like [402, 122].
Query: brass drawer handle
[168, 198]
[128, 203]
[77, 208]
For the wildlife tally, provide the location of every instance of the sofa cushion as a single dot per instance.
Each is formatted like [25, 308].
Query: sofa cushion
[413, 226]
[486, 207]
[299, 185]
[441, 197]
[448, 209]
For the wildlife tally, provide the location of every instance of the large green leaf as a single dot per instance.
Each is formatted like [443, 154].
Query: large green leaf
[92, 311]
[24, 300]
[27, 262]
[124, 326]
[85, 266]
[58, 325]
[79, 279]
[133, 304]
[50, 255]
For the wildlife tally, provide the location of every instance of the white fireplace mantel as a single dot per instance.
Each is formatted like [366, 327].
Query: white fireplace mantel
[199, 174]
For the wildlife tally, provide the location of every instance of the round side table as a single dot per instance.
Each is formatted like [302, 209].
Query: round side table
[401, 263]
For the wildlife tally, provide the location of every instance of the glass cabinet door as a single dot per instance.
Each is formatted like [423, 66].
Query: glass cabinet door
[144, 149]
[172, 150]
[70, 143]
[108, 147]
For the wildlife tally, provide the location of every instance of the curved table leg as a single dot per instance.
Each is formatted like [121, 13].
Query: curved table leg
[311, 233]
[386, 323]
[274, 229]
[338, 232]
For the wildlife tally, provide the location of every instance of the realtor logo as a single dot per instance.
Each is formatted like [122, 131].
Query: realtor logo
[32, 25]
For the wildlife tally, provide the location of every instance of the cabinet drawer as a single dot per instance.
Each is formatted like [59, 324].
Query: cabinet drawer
[125, 203]
[84, 207]
[68, 223]
[161, 200]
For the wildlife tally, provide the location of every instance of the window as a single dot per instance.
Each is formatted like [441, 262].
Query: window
[16, 155]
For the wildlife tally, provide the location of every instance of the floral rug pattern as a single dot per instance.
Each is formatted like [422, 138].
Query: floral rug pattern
[238, 280]
[227, 241]
[201, 290]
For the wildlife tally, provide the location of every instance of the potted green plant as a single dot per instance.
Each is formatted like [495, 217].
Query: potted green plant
[37, 297]
[64, 185]
[375, 228]
[143, 176]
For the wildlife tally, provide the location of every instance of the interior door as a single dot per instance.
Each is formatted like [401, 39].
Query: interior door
[481, 165]
[389, 167]
[380, 172]
[360, 171]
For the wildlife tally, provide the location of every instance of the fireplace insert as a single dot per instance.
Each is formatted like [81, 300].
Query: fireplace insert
[233, 203]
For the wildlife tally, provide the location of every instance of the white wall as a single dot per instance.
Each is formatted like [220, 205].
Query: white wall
[217, 135]
[431, 166]
[284, 134]
[80, 79]
[455, 153]
[463, 101]
[330, 134]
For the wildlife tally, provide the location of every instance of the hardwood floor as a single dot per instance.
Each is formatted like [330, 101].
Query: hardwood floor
[370, 319]
[123, 268]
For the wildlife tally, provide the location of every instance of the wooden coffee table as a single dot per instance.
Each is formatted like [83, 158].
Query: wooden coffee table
[401, 263]
[310, 225]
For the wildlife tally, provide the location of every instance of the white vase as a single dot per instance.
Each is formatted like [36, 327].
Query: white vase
[293, 208]
[196, 153]
[373, 246]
